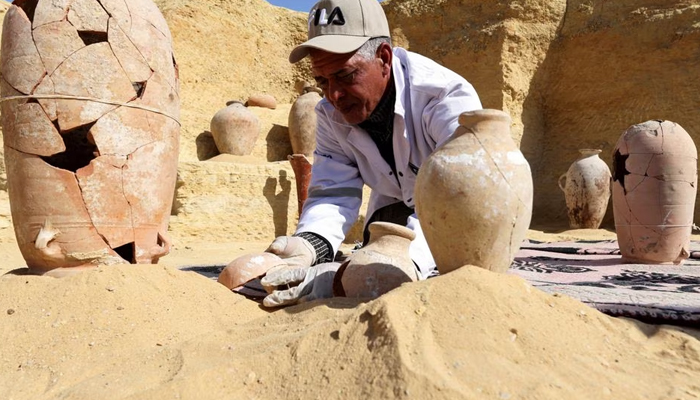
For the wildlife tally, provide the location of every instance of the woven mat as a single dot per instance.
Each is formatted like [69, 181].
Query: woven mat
[593, 273]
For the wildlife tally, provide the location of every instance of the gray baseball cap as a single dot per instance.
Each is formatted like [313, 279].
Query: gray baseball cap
[342, 26]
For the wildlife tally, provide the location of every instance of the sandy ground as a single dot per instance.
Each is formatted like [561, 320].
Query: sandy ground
[137, 332]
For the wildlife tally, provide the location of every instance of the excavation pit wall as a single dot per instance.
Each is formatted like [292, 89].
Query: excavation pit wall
[572, 74]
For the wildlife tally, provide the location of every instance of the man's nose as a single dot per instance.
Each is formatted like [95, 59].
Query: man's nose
[334, 91]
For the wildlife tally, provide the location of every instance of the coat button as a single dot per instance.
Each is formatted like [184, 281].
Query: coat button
[400, 173]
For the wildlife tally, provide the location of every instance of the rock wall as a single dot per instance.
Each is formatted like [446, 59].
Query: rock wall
[614, 64]
[573, 74]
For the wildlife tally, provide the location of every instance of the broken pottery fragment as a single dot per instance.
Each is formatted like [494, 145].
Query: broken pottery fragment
[56, 42]
[654, 189]
[235, 129]
[382, 265]
[21, 64]
[474, 195]
[586, 189]
[261, 100]
[88, 16]
[248, 267]
[302, 121]
[91, 146]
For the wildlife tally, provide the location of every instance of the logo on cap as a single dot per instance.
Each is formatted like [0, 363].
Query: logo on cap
[320, 17]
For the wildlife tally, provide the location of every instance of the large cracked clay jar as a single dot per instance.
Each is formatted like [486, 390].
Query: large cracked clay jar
[90, 122]
[474, 195]
[586, 187]
[654, 188]
[380, 266]
[235, 129]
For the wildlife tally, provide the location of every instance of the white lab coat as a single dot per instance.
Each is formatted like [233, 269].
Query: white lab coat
[429, 100]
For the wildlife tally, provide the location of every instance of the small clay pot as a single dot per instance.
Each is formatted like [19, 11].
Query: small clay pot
[382, 265]
[586, 187]
[235, 129]
[246, 268]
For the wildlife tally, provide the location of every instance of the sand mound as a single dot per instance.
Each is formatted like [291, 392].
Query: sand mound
[155, 332]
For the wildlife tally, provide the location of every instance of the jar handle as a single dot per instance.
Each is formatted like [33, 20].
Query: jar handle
[561, 186]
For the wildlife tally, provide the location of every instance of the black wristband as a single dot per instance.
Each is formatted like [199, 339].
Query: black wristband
[321, 246]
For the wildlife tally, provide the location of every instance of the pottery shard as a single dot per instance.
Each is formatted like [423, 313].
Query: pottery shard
[155, 47]
[101, 186]
[21, 64]
[159, 94]
[56, 41]
[128, 55]
[149, 185]
[118, 10]
[28, 129]
[149, 12]
[88, 16]
[78, 242]
[47, 12]
[122, 131]
[262, 100]
[92, 72]
[49, 105]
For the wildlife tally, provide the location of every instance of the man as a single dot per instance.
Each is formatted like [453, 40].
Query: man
[384, 112]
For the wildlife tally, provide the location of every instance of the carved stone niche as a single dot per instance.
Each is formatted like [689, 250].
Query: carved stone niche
[90, 121]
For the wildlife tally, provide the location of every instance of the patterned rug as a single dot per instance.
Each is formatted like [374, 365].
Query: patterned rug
[592, 272]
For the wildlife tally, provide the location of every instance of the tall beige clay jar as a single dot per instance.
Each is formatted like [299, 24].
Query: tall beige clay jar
[90, 121]
[380, 266]
[654, 188]
[474, 195]
[586, 187]
[302, 121]
[235, 129]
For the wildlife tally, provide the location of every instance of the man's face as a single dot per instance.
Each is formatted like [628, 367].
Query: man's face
[352, 84]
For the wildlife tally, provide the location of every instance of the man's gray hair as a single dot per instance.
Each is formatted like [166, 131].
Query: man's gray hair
[368, 50]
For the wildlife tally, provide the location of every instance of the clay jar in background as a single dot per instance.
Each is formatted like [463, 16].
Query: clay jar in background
[235, 129]
[380, 266]
[586, 188]
[302, 121]
[91, 132]
[654, 188]
[262, 100]
[302, 175]
[474, 195]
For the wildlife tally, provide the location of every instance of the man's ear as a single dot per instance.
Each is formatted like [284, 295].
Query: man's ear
[386, 56]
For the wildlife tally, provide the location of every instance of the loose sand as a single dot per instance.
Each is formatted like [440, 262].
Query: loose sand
[156, 332]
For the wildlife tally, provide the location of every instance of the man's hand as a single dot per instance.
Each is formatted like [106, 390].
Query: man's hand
[311, 284]
[295, 251]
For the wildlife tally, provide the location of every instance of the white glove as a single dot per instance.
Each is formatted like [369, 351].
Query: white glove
[295, 251]
[313, 283]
